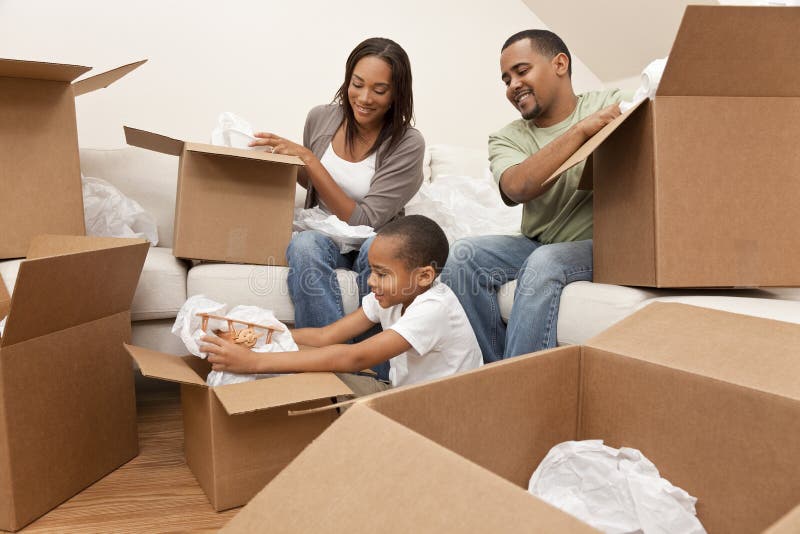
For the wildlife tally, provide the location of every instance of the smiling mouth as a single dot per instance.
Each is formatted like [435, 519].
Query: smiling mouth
[363, 109]
[523, 97]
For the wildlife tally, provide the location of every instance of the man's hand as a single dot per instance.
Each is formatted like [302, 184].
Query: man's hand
[280, 145]
[597, 120]
[224, 355]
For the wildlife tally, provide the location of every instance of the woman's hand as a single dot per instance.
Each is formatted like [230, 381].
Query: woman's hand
[224, 355]
[279, 145]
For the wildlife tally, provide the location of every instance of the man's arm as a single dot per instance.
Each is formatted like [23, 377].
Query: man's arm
[523, 182]
[227, 356]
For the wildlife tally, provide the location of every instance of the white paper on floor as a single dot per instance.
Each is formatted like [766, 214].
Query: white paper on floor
[188, 327]
[109, 213]
[614, 490]
[347, 238]
[233, 131]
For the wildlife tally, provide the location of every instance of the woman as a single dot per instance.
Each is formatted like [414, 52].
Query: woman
[363, 162]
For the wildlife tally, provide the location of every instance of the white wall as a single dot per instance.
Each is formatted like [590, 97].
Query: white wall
[270, 61]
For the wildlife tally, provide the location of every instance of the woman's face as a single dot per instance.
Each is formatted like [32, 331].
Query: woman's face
[370, 91]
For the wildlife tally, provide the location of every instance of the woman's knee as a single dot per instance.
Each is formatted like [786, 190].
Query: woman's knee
[307, 247]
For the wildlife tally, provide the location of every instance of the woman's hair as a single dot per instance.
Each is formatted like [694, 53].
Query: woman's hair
[400, 114]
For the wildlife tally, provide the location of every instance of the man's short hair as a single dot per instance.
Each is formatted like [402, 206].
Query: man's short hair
[544, 41]
[424, 241]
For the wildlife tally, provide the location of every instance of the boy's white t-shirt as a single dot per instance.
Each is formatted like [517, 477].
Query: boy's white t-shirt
[436, 326]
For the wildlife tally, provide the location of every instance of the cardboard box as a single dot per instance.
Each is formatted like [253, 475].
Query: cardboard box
[39, 165]
[712, 398]
[67, 403]
[699, 187]
[232, 205]
[238, 437]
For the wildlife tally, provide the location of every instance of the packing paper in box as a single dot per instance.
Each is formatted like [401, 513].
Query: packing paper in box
[188, 326]
[614, 490]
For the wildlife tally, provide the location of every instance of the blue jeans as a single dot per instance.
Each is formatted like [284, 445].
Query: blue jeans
[313, 259]
[478, 266]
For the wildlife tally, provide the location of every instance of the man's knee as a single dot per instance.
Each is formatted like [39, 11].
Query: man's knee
[554, 265]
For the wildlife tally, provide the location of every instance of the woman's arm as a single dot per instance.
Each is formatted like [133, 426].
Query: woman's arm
[397, 178]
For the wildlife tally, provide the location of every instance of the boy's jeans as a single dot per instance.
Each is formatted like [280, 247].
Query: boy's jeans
[478, 266]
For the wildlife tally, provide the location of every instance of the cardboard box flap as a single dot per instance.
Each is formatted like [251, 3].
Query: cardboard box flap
[589, 146]
[762, 356]
[788, 524]
[59, 292]
[734, 51]
[153, 141]
[244, 153]
[5, 299]
[38, 70]
[99, 81]
[47, 245]
[279, 391]
[164, 366]
[351, 456]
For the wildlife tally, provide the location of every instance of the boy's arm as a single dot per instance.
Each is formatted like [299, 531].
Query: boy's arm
[228, 356]
[523, 182]
[340, 331]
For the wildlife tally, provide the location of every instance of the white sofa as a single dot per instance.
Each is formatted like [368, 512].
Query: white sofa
[150, 178]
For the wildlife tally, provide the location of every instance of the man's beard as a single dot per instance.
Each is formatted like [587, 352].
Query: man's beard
[534, 113]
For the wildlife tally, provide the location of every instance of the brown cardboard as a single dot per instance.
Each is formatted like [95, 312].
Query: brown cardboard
[238, 437]
[712, 398]
[698, 187]
[232, 205]
[67, 406]
[39, 166]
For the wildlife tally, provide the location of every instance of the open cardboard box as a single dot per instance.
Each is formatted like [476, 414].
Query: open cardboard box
[712, 398]
[700, 187]
[232, 204]
[67, 402]
[238, 437]
[39, 165]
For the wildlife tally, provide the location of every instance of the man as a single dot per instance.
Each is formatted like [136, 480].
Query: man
[555, 248]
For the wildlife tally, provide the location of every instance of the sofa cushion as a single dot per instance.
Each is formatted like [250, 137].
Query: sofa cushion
[588, 308]
[256, 285]
[161, 290]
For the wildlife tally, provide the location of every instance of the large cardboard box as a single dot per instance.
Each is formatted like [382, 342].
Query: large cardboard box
[700, 187]
[238, 437]
[67, 403]
[232, 205]
[712, 398]
[39, 167]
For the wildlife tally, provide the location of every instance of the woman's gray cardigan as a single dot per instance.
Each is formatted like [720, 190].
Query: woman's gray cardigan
[398, 174]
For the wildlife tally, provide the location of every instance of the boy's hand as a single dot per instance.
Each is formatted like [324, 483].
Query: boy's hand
[595, 122]
[224, 355]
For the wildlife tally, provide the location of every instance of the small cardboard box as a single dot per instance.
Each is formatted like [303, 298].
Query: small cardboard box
[232, 205]
[700, 187]
[712, 398]
[39, 165]
[238, 437]
[67, 403]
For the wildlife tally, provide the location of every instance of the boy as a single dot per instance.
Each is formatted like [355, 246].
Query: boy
[425, 335]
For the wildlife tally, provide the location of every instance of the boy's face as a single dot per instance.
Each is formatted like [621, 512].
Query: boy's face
[391, 280]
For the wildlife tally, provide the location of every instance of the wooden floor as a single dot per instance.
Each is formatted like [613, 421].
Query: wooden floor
[154, 492]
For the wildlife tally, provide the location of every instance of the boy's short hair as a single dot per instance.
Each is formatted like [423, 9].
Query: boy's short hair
[424, 241]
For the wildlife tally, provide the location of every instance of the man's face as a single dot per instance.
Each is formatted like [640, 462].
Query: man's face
[530, 78]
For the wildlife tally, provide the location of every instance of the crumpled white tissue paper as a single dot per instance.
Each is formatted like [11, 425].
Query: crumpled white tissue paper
[234, 131]
[651, 77]
[466, 206]
[613, 490]
[188, 327]
[348, 238]
[109, 213]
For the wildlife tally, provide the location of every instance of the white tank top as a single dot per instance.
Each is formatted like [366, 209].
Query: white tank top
[353, 178]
